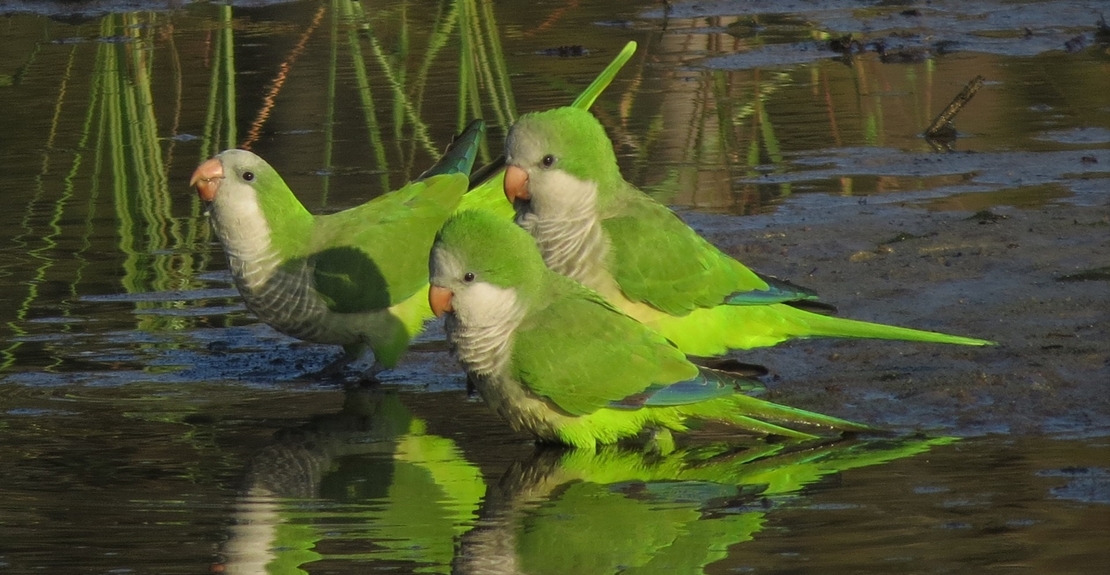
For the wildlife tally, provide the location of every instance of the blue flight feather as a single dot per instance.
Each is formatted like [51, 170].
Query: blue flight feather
[708, 384]
[778, 291]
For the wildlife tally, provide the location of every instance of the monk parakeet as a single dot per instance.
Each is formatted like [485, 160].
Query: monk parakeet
[593, 226]
[554, 358]
[356, 278]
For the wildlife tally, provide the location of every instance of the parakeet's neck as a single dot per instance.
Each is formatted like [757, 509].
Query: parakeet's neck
[565, 223]
[481, 334]
[254, 243]
[481, 329]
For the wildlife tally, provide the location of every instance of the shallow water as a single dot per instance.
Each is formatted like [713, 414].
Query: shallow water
[148, 424]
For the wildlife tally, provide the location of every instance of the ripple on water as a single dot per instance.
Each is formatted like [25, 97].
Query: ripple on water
[1082, 136]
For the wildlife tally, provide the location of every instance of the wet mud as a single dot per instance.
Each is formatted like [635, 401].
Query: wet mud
[1003, 274]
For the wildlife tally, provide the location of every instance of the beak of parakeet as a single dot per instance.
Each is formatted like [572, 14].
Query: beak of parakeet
[206, 179]
[516, 184]
[439, 298]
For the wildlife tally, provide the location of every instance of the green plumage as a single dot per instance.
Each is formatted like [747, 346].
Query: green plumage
[646, 260]
[356, 278]
[556, 359]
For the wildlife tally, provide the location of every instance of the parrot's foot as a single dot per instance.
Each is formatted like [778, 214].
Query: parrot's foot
[333, 370]
[369, 378]
[430, 346]
[471, 387]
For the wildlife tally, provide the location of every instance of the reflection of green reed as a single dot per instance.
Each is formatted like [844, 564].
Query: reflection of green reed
[219, 121]
[729, 127]
[482, 73]
[41, 254]
[129, 153]
[122, 154]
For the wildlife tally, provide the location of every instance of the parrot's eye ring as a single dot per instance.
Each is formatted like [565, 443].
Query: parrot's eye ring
[548, 161]
[468, 277]
[248, 176]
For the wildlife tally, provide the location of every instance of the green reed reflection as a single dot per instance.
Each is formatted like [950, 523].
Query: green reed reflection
[123, 129]
[220, 120]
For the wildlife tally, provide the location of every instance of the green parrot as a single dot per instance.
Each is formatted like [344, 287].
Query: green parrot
[356, 278]
[593, 226]
[554, 358]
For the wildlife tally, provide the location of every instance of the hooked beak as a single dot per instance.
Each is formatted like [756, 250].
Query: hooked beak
[516, 184]
[206, 179]
[439, 298]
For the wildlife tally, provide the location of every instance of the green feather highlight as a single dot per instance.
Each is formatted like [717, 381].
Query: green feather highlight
[494, 249]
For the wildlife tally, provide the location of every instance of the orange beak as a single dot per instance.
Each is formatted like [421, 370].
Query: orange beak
[439, 298]
[516, 184]
[206, 179]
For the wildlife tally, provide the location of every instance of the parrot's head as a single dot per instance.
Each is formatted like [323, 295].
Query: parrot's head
[238, 176]
[557, 161]
[483, 267]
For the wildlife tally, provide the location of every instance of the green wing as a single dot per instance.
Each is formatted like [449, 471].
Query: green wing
[659, 260]
[583, 355]
[376, 255]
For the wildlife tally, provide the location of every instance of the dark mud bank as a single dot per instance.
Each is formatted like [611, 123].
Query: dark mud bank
[1034, 280]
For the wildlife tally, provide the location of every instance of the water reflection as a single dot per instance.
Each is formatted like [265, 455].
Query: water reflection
[620, 511]
[370, 483]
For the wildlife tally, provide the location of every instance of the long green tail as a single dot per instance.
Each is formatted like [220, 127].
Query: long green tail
[714, 331]
[763, 417]
[829, 326]
[752, 409]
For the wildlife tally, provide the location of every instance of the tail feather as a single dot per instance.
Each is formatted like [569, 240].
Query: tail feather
[751, 407]
[765, 418]
[764, 428]
[714, 331]
[826, 326]
[461, 153]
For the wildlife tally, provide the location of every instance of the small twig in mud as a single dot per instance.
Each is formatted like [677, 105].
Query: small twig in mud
[942, 125]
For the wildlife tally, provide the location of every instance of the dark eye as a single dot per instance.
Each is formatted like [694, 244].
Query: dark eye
[548, 161]
[248, 176]
[469, 277]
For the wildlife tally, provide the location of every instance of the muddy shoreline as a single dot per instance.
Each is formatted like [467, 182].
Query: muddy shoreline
[998, 275]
